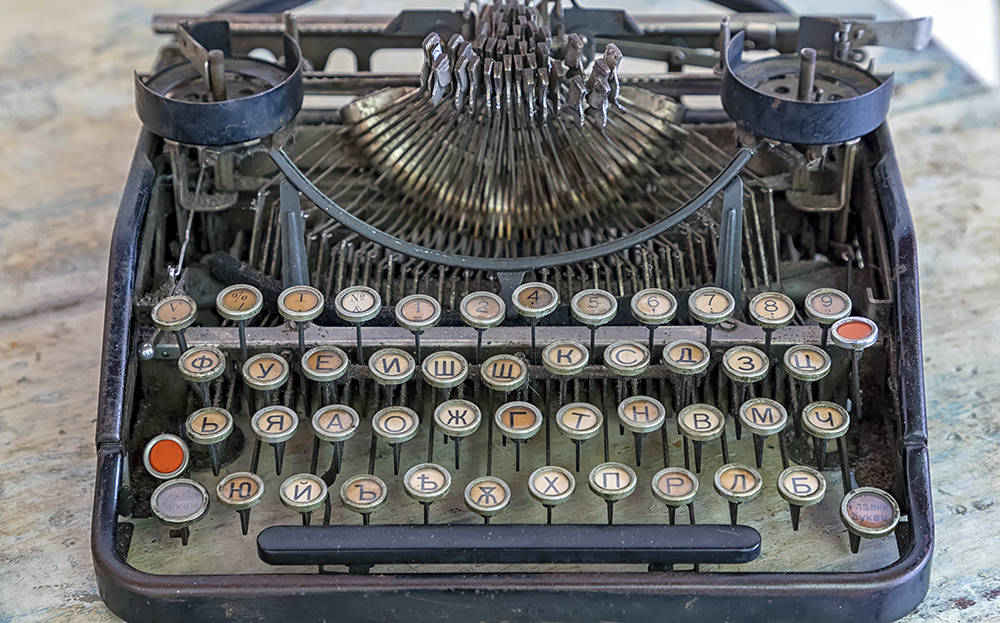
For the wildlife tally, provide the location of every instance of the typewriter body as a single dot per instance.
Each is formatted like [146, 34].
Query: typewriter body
[519, 336]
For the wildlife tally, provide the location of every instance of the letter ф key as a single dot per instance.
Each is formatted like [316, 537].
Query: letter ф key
[457, 419]
[426, 483]
[801, 486]
[487, 496]
[200, 366]
[210, 427]
[241, 491]
[274, 426]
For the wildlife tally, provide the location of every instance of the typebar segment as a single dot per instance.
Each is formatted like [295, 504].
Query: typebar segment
[507, 544]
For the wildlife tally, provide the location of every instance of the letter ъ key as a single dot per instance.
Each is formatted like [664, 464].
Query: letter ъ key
[364, 494]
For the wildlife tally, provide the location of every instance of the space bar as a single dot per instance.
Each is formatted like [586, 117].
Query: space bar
[507, 544]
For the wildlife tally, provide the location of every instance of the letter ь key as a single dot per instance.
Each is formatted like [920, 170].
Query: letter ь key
[210, 427]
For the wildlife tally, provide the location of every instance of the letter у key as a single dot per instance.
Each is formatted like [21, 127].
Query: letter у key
[676, 487]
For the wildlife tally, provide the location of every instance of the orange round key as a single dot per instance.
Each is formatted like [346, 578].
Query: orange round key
[165, 456]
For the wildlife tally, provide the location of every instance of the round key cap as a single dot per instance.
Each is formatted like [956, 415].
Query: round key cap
[265, 371]
[165, 456]
[457, 418]
[174, 313]
[357, 304]
[594, 307]
[674, 486]
[241, 491]
[202, 364]
[209, 425]
[535, 299]
[427, 482]
[482, 310]
[641, 414]
[738, 484]
[745, 364]
[807, 363]
[579, 420]
[487, 496]
[518, 420]
[300, 303]
[854, 333]
[391, 366]
[825, 420]
[700, 422]
[179, 503]
[274, 424]
[240, 302]
[627, 358]
[551, 486]
[612, 481]
[363, 494]
[418, 312]
[565, 357]
[772, 310]
[504, 373]
[868, 513]
[335, 423]
[711, 305]
[686, 357]
[396, 425]
[827, 305]
[653, 306]
[801, 486]
[324, 364]
[445, 369]
[762, 417]
[303, 493]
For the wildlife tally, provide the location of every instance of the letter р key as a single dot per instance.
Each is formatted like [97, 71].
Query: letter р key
[676, 487]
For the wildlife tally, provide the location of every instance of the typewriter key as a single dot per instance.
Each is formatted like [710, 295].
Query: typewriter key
[519, 421]
[391, 367]
[579, 421]
[241, 491]
[303, 493]
[358, 305]
[762, 417]
[711, 306]
[427, 483]
[274, 426]
[300, 304]
[178, 504]
[481, 311]
[201, 365]
[417, 313]
[824, 421]
[770, 311]
[445, 369]
[800, 486]
[334, 424]
[738, 484]
[533, 301]
[686, 359]
[612, 481]
[565, 358]
[627, 358]
[594, 308]
[263, 373]
[325, 365]
[551, 486]
[701, 423]
[641, 415]
[487, 496]
[175, 313]
[868, 513]
[504, 373]
[457, 419]
[240, 303]
[165, 456]
[363, 494]
[806, 364]
[676, 487]
[396, 425]
[826, 306]
[855, 334]
[653, 307]
[743, 365]
[210, 427]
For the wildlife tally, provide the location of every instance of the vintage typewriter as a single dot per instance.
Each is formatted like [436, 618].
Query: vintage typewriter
[519, 336]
